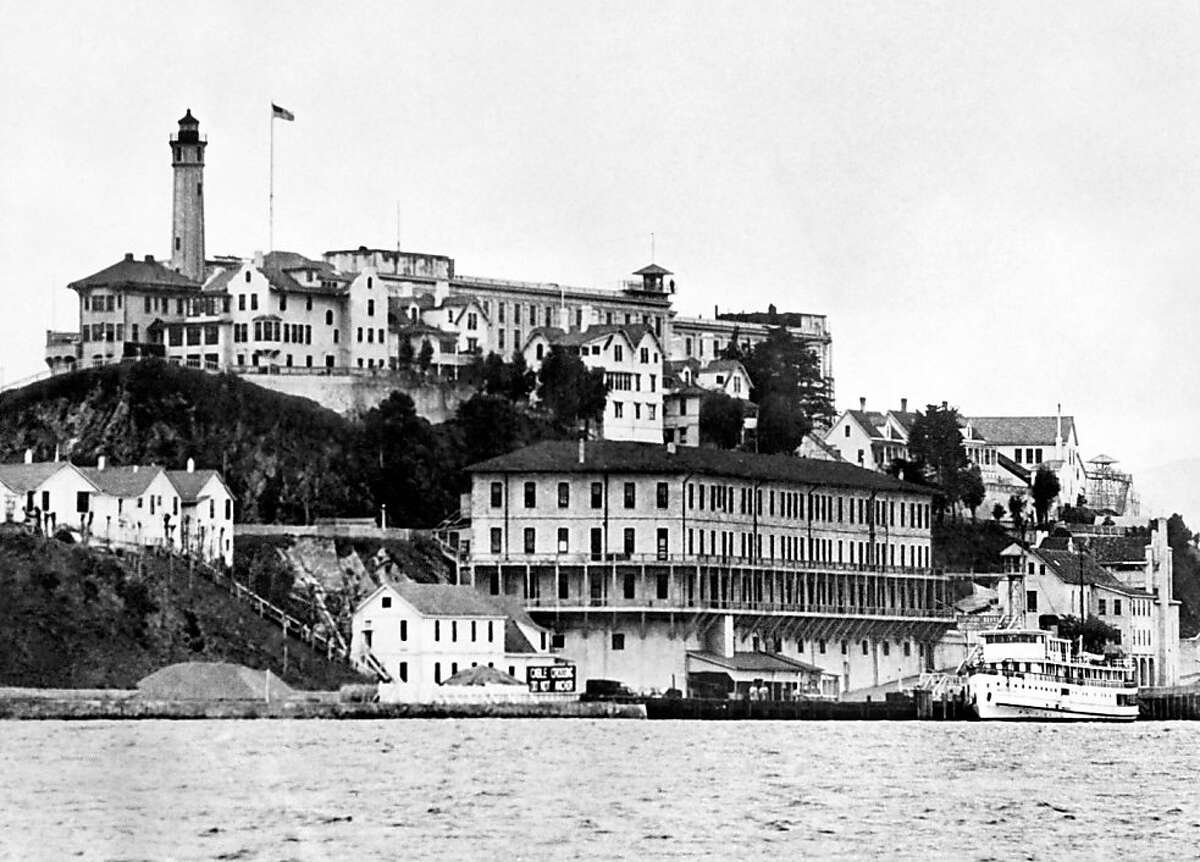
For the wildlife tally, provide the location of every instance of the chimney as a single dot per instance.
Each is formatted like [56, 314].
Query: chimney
[57, 453]
[28, 456]
[582, 448]
[258, 259]
[101, 462]
[903, 405]
[128, 256]
[191, 465]
[149, 258]
[862, 404]
[135, 468]
[716, 313]
[671, 447]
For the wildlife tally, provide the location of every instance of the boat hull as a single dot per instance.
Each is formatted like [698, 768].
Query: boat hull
[1007, 698]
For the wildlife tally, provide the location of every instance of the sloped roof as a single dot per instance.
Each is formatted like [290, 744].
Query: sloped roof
[515, 640]
[653, 269]
[1055, 543]
[447, 600]
[562, 456]
[190, 484]
[130, 481]
[482, 675]
[905, 418]
[1013, 467]
[724, 365]
[1118, 549]
[1072, 568]
[220, 282]
[869, 420]
[22, 478]
[142, 274]
[756, 661]
[1022, 430]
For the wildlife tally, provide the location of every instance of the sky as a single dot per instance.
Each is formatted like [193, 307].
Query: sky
[996, 205]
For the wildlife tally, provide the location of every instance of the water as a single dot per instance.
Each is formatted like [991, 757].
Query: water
[540, 789]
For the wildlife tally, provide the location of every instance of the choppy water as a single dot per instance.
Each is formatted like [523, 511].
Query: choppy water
[540, 789]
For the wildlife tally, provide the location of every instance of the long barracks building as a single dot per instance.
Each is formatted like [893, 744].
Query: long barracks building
[653, 563]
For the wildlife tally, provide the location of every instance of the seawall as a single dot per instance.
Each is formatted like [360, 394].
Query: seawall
[135, 708]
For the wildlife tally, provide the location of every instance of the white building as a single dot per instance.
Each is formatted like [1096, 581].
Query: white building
[420, 635]
[49, 494]
[136, 506]
[206, 513]
[639, 556]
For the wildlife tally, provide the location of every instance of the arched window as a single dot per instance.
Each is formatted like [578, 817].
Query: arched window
[329, 317]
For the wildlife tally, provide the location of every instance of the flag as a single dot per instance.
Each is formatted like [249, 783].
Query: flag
[281, 113]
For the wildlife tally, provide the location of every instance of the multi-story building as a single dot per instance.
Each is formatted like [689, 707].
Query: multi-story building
[421, 635]
[872, 439]
[363, 311]
[1061, 578]
[631, 359]
[1032, 442]
[638, 555]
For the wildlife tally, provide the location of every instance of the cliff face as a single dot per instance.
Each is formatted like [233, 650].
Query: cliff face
[73, 618]
[284, 458]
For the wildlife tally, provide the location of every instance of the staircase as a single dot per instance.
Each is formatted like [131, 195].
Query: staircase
[372, 663]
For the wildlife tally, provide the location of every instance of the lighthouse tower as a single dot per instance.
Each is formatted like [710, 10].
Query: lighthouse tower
[187, 223]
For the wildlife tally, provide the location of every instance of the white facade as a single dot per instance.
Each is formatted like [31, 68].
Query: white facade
[58, 492]
[206, 514]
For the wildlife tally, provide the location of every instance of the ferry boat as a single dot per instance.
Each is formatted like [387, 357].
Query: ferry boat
[1030, 674]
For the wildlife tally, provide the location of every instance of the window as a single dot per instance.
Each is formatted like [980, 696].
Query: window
[630, 495]
[662, 586]
[530, 540]
[564, 495]
[1103, 607]
[629, 540]
[866, 648]
[329, 317]
[618, 410]
[847, 429]
[254, 302]
[385, 602]
[530, 495]
[597, 495]
[630, 585]
[1031, 604]
[660, 495]
[821, 646]
[404, 671]
[81, 501]
[1116, 607]
[845, 648]
[564, 540]
[370, 308]
[497, 537]
[437, 672]
[497, 495]
[618, 353]
[618, 641]
[454, 631]
[437, 630]
[887, 648]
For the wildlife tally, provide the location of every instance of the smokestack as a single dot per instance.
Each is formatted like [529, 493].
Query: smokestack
[101, 462]
[191, 465]
[862, 404]
[903, 405]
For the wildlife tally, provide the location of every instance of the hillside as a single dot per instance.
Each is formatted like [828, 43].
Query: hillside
[74, 618]
[286, 459]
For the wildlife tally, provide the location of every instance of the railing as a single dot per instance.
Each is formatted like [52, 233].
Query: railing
[699, 560]
[613, 603]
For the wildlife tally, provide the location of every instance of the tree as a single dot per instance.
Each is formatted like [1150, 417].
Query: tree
[1096, 633]
[1045, 489]
[721, 419]
[405, 353]
[1016, 508]
[573, 392]
[970, 489]
[937, 443]
[425, 357]
[513, 380]
[998, 512]
[269, 576]
[789, 389]
[733, 350]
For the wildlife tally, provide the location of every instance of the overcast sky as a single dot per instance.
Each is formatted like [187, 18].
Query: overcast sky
[994, 204]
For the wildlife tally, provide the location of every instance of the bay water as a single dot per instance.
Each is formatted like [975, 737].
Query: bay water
[608, 789]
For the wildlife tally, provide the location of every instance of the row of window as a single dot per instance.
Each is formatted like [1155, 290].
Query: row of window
[562, 544]
[793, 506]
[619, 410]
[1032, 456]
[627, 381]
[796, 548]
[385, 602]
[370, 335]
[596, 497]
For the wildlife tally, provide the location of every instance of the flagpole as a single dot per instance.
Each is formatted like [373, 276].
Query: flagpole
[271, 189]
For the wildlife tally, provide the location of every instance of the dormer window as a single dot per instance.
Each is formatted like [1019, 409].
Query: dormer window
[308, 275]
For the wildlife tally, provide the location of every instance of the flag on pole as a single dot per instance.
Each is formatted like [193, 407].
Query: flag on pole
[281, 113]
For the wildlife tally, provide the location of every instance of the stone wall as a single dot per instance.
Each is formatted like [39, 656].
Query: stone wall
[350, 393]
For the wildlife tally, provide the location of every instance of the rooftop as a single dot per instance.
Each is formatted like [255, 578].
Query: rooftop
[754, 661]
[608, 456]
[447, 600]
[129, 481]
[27, 477]
[146, 274]
[1022, 430]
[189, 484]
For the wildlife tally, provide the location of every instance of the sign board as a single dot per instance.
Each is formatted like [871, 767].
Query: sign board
[551, 678]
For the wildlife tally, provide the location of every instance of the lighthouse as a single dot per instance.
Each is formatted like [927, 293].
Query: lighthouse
[187, 222]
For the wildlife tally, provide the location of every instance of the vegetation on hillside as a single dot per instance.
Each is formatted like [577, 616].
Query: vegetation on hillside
[285, 459]
[71, 617]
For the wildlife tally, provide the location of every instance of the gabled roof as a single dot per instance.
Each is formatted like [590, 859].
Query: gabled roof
[1118, 549]
[868, 420]
[1072, 568]
[1022, 430]
[752, 661]
[653, 269]
[219, 282]
[141, 274]
[446, 600]
[905, 419]
[190, 484]
[610, 456]
[22, 478]
[723, 365]
[129, 481]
